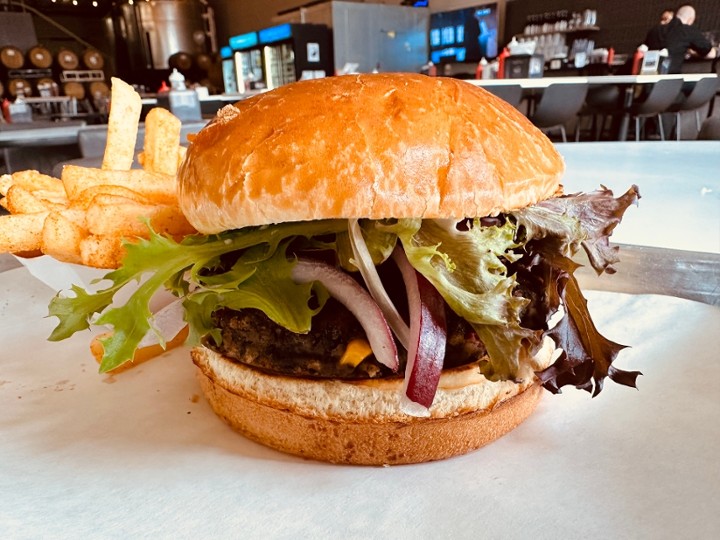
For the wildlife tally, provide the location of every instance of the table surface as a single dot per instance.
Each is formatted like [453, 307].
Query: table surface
[141, 453]
[544, 82]
[40, 133]
[679, 186]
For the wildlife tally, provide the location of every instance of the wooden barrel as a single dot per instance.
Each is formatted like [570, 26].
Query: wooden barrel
[93, 59]
[99, 89]
[11, 57]
[39, 57]
[74, 89]
[17, 86]
[67, 59]
[181, 61]
[46, 87]
[204, 61]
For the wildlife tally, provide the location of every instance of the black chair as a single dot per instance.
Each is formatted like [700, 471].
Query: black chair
[602, 102]
[559, 104]
[700, 95]
[511, 93]
[656, 101]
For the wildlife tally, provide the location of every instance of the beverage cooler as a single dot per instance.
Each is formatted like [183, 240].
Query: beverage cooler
[247, 62]
[228, 71]
[292, 52]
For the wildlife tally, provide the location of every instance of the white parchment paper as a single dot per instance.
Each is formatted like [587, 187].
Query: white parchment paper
[141, 455]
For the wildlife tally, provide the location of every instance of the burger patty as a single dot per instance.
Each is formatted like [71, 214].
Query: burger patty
[250, 337]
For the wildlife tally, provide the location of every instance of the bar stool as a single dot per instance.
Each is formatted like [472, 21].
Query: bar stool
[511, 93]
[658, 100]
[700, 95]
[559, 104]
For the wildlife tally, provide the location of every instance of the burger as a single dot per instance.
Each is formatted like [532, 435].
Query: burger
[383, 272]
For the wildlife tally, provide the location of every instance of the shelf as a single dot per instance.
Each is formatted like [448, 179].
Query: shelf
[567, 31]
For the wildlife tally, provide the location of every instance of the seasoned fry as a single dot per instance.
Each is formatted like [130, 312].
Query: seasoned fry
[125, 108]
[109, 215]
[85, 197]
[62, 235]
[143, 354]
[30, 180]
[22, 201]
[21, 232]
[160, 188]
[101, 251]
[162, 141]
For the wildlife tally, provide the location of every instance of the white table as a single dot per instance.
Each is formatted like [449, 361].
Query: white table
[544, 82]
[140, 454]
[671, 241]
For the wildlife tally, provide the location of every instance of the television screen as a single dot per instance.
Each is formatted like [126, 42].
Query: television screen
[464, 35]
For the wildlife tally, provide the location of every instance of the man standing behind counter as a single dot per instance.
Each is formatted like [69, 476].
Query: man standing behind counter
[678, 36]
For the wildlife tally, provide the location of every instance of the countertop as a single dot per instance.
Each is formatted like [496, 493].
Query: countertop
[141, 455]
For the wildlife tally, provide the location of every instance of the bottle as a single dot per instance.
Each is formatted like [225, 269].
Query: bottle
[480, 68]
[637, 59]
[184, 103]
[611, 56]
[432, 69]
[501, 63]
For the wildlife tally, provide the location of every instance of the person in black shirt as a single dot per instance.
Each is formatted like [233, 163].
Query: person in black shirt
[678, 36]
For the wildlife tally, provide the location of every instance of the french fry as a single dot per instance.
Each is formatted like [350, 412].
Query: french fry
[101, 251]
[21, 201]
[109, 215]
[62, 235]
[160, 188]
[162, 140]
[6, 181]
[85, 197]
[125, 108]
[143, 354]
[21, 232]
[30, 180]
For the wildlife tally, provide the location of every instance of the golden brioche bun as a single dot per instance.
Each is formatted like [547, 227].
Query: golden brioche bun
[362, 422]
[365, 146]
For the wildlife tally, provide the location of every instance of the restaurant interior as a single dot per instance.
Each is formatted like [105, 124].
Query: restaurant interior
[139, 453]
[580, 74]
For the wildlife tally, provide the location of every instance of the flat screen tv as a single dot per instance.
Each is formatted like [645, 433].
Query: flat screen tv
[464, 35]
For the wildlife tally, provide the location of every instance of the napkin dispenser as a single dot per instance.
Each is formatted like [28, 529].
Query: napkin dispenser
[523, 66]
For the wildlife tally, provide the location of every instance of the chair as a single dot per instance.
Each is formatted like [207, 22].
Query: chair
[701, 94]
[602, 102]
[657, 101]
[511, 93]
[559, 104]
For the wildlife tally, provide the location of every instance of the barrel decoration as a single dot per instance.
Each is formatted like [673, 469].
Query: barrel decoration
[11, 57]
[19, 86]
[74, 89]
[67, 59]
[93, 59]
[39, 57]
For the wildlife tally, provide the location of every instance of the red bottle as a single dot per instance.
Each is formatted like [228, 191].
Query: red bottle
[611, 56]
[501, 63]
[637, 61]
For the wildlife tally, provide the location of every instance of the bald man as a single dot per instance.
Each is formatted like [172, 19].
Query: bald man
[680, 36]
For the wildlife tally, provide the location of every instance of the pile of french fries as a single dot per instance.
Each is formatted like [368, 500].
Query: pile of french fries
[84, 216]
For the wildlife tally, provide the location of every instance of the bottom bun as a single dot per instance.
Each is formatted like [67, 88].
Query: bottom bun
[361, 422]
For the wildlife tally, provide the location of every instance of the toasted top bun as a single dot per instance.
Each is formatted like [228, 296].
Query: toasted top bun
[365, 146]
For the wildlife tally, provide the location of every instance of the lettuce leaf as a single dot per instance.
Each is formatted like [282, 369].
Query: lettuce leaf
[186, 268]
[507, 276]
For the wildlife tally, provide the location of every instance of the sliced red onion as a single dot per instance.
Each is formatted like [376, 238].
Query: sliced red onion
[428, 337]
[349, 293]
[363, 260]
